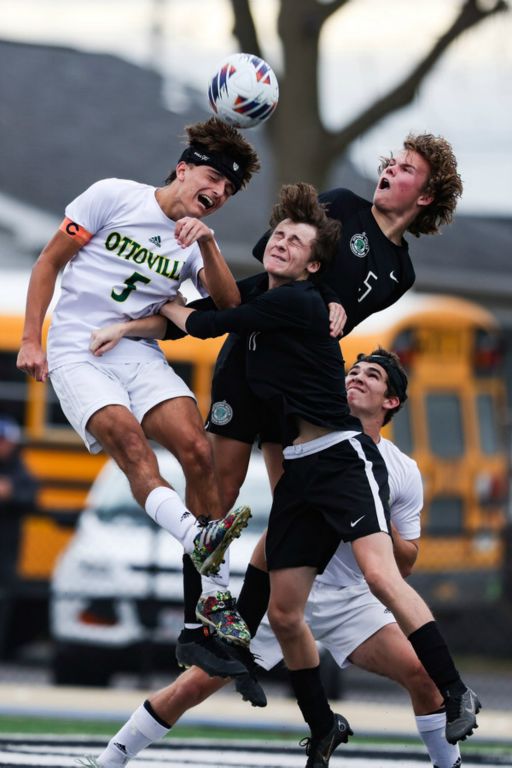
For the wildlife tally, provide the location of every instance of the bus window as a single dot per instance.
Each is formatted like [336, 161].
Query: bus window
[13, 387]
[445, 516]
[490, 442]
[402, 430]
[444, 422]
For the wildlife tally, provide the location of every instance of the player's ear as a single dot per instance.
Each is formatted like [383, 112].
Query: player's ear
[313, 266]
[391, 402]
[180, 170]
[425, 199]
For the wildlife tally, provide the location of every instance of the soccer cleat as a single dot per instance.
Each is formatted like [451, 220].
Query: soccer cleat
[461, 712]
[219, 612]
[200, 648]
[247, 684]
[215, 537]
[319, 751]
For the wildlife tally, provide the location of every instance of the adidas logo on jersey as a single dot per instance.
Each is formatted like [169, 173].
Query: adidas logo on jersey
[156, 240]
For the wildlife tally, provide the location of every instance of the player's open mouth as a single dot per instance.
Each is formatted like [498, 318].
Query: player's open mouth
[384, 184]
[206, 201]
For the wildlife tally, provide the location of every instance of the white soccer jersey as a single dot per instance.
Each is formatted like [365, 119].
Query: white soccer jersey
[129, 268]
[405, 502]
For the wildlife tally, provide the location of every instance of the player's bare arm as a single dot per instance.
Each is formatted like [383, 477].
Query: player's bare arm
[61, 249]
[176, 313]
[216, 276]
[405, 551]
[151, 327]
[106, 338]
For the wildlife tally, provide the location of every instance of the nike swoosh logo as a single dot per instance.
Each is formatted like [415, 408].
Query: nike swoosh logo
[392, 276]
[355, 522]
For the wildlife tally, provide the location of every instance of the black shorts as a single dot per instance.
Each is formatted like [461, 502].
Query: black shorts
[235, 412]
[338, 493]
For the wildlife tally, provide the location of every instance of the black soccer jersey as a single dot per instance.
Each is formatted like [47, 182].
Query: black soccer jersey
[369, 272]
[292, 363]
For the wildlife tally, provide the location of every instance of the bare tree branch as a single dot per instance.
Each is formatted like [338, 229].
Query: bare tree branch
[470, 15]
[303, 147]
[244, 28]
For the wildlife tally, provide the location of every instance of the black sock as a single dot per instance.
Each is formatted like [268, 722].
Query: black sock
[432, 651]
[191, 590]
[309, 692]
[254, 596]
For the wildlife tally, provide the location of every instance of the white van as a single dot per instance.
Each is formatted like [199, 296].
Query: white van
[117, 593]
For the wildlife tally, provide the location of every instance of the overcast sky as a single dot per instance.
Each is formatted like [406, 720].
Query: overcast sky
[365, 49]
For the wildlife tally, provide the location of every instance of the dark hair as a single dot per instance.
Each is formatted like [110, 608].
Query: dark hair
[396, 376]
[299, 203]
[444, 183]
[215, 136]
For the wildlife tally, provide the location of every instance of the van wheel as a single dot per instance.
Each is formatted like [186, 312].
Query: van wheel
[79, 665]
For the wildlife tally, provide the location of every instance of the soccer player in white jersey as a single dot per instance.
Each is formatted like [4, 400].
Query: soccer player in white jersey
[341, 611]
[125, 248]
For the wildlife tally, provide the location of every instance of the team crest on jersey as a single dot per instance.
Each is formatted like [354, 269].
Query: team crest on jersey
[156, 240]
[359, 245]
[222, 413]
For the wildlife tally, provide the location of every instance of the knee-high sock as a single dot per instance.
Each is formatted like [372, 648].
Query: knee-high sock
[142, 729]
[309, 692]
[432, 651]
[431, 729]
[254, 596]
[166, 508]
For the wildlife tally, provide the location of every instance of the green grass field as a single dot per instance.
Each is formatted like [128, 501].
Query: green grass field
[75, 727]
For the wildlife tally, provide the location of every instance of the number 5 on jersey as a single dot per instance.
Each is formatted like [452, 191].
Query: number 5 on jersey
[130, 286]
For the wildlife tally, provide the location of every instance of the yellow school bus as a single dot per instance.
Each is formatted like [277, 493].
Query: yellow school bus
[452, 425]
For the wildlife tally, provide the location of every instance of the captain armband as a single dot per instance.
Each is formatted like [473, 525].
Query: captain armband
[74, 230]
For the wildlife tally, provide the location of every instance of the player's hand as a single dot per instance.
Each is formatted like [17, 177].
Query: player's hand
[189, 230]
[337, 319]
[32, 360]
[104, 339]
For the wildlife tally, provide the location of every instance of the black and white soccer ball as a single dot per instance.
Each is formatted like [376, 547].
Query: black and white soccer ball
[244, 90]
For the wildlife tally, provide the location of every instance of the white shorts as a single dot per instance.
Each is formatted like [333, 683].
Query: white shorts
[84, 388]
[340, 618]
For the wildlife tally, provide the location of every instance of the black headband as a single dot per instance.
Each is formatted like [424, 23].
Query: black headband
[224, 164]
[396, 378]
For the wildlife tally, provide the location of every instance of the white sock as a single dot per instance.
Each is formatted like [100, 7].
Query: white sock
[136, 734]
[431, 729]
[166, 508]
[217, 582]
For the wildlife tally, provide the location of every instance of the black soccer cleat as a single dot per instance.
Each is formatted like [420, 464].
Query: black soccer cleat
[198, 647]
[461, 712]
[319, 751]
[247, 684]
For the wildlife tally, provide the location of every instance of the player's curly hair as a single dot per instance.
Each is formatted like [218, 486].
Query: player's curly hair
[444, 184]
[299, 203]
[215, 135]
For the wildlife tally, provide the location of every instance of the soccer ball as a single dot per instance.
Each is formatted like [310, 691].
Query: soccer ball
[243, 91]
